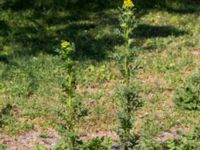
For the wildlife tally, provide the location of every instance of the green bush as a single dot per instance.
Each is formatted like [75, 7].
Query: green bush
[189, 141]
[93, 74]
[188, 96]
[93, 144]
[2, 147]
[97, 144]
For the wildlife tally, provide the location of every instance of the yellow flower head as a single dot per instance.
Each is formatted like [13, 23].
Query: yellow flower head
[128, 4]
[65, 44]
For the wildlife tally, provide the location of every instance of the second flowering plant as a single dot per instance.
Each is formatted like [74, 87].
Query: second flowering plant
[72, 110]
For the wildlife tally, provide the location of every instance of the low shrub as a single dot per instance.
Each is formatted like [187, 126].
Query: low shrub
[188, 96]
[187, 142]
[93, 144]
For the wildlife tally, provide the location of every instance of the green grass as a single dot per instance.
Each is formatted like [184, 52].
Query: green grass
[31, 74]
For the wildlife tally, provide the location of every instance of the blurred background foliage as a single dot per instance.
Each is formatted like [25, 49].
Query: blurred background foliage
[64, 4]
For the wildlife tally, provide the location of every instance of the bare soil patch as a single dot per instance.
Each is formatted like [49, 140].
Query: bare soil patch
[30, 139]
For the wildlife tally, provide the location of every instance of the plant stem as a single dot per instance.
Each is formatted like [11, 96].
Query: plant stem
[127, 51]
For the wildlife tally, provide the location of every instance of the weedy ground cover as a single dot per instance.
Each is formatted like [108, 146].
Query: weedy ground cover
[32, 74]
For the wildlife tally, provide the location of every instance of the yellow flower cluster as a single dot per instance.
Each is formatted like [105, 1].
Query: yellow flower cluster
[128, 4]
[65, 44]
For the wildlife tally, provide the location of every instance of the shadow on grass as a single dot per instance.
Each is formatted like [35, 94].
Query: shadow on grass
[191, 10]
[83, 26]
[150, 31]
[4, 28]
[5, 111]
[90, 44]
[183, 6]
[79, 26]
[4, 31]
[172, 6]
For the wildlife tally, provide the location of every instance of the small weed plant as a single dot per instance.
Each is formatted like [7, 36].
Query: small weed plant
[95, 74]
[2, 147]
[190, 141]
[97, 144]
[130, 101]
[188, 96]
[72, 109]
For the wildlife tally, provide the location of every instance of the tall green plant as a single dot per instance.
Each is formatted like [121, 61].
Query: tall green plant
[127, 24]
[73, 110]
[129, 99]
